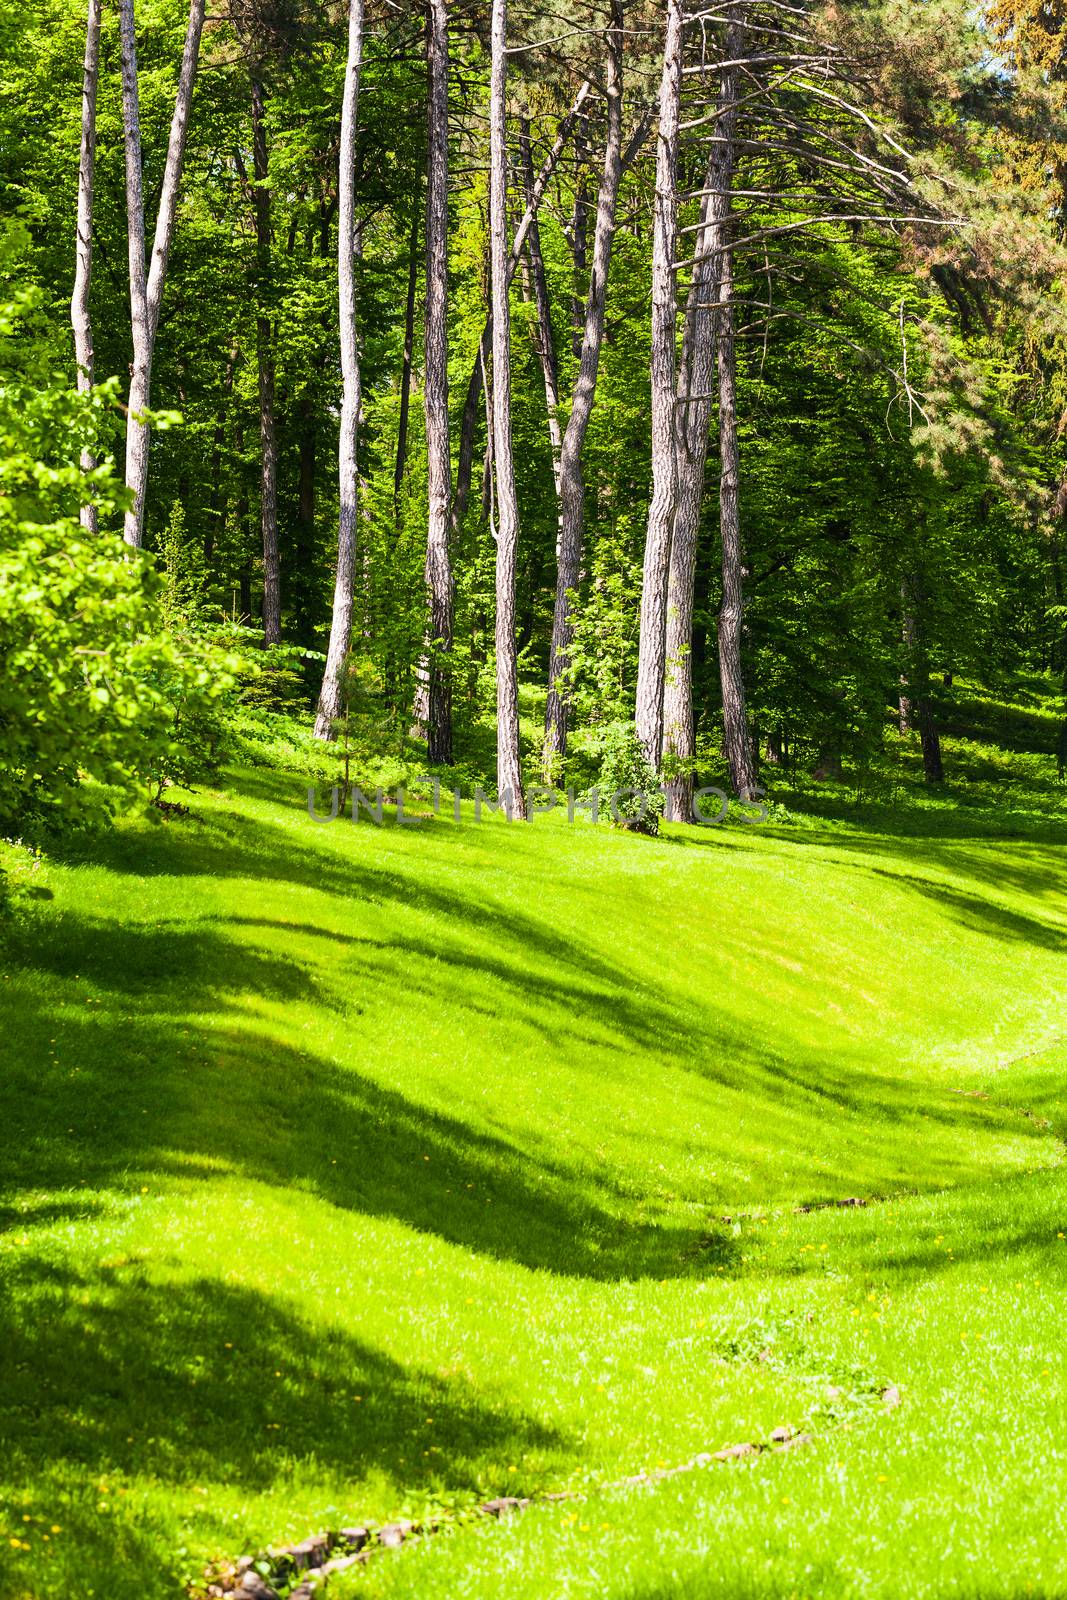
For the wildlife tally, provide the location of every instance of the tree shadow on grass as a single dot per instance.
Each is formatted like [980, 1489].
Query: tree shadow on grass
[130, 1368]
[113, 1089]
[131, 1375]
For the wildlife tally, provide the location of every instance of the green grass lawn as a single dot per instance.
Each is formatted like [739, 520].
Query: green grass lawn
[351, 1173]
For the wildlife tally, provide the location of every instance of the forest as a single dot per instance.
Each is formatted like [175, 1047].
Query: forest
[645, 420]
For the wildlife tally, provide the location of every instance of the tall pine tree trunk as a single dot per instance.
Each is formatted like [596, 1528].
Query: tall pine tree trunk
[545, 337]
[508, 764]
[695, 380]
[651, 661]
[80, 318]
[438, 571]
[571, 477]
[736, 737]
[473, 397]
[918, 676]
[409, 351]
[146, 283]
[268, 444]
[332, 695]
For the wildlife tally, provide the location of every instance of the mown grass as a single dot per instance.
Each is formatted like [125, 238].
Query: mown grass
[351, 1172]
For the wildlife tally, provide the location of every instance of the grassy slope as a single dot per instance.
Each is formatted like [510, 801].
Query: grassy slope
[350, 1171]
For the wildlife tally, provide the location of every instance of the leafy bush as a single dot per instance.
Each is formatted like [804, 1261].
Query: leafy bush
[97, 697]
[627, 785]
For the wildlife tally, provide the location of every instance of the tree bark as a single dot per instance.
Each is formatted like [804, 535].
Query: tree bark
[409, 349]
[918, 676]
[652, 645]
[508, 764]
[545, 342]
[268, 444]
[571, 477]
[472, 399]
[579, 248]
[695, 380]
[332, 696]
[736, 738]
[216, 509]
[80, 317]
[438, 571]
[146, 286]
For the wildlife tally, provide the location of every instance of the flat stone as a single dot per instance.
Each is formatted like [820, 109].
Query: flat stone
[355, 1537]
[394, 1534]
[737, 1452]
[310, 1552]
[782, 1434]
[891, 1397]
[342, 1563]
[503, 1506]
[796, 1441]
[256, 1586]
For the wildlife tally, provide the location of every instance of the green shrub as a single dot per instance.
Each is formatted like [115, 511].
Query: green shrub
[627, 785]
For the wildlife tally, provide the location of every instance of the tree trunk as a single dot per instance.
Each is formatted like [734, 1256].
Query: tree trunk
[579, 247]
[571, 477]
[438, 570]
[332, 696]
[736, 738]
[472, 400]
[652, 646]
[545, 341]
[933, 767]
[216, 518]
[268, 444]
[694, 413]
[80, 319]
[146, 286]
[409, 348]
[305, 591]
[508, 764]
[917, 678]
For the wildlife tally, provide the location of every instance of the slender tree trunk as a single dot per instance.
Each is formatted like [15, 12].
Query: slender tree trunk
[652, 646]
[436, 677]
[918, 677]
[305, 592]
[579, 248]
[694, 412]
[905, 707]
[80, 319]
[146, 285]
[268, 444]
[571, 477]
[736, 736]
[216, 518]
[472, 399]
[409, 349]
[508, 764]
[332, 696]
[545, 343]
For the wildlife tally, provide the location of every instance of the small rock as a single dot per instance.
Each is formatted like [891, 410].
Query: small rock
[504, 1506]
[304, 1591]
[244, 1562]
[355, 1538]
[703, 1460]
[780, 1435]
[258, 1588]
[342, 1563]
[795, 1441]
[891, 1397]
[310, 1552]
[737, 1452]
[394, 1534]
